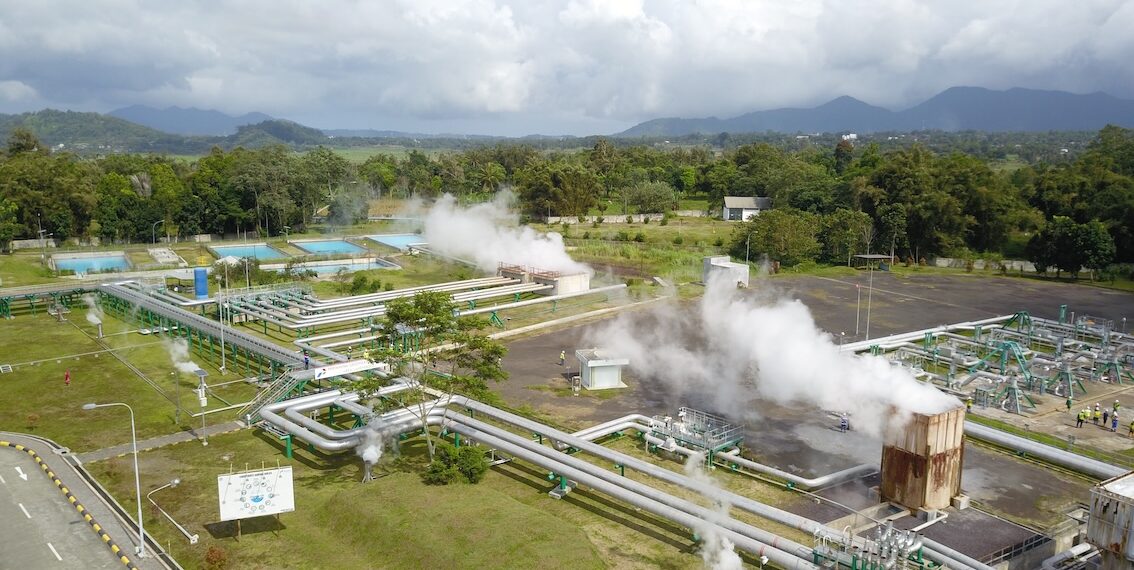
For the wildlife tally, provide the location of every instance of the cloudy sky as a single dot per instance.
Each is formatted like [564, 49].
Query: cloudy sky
[516, 67]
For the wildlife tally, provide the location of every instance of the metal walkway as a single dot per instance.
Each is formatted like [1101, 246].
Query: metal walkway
[239, 338]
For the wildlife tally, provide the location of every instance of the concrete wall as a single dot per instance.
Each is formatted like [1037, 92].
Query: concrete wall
[1014, 265]
[610, 219]
[722, 264]
[31, 244]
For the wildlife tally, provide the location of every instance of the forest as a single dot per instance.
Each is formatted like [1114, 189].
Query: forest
[829, 201]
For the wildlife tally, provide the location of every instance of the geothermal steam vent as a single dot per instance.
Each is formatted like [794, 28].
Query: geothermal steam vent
[921, 463]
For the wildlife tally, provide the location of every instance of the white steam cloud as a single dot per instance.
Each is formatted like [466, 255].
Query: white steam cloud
[178, 351]
[717, 551]
[94, 312]
[739, 348]
[489, 233]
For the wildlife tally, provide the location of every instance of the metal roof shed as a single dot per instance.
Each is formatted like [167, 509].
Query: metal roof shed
[599, 370]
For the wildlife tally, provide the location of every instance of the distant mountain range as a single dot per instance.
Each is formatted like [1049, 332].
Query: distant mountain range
[955, 109]
[93, 133]
[191, 121]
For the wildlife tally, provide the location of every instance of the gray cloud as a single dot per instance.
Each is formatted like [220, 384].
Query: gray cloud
[518, 67]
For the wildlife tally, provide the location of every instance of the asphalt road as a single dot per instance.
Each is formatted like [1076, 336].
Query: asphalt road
[38, 527]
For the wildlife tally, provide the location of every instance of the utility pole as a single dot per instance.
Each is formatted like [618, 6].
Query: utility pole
[869, 295]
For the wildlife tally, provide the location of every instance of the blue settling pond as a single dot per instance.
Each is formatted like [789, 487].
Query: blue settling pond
[398, 241]
[92, 264]
[351, 266]
[259, 251]
[329, 246]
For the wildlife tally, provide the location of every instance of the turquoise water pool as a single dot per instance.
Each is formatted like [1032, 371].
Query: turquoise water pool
[259, 251]
[92, 264]
[351, 266]
[329, 246]
[398, 241]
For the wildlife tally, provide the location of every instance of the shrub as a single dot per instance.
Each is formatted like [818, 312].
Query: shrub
[678, 240]
[719, 242]
[600, 220]
[451, 464]
[472, 464]
[31, 421]
[359, 284]
[622, 236]
[629, 219]
[388, 287]
[586, 235]
[646, 220]
[640, 237]
[664, 221]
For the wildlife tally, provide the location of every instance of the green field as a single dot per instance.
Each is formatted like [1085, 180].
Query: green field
[41, 350]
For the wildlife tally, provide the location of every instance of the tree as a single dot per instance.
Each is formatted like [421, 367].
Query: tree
[9, 227]
[22, 141]
[1069, 247]
[843, 233]
[651, 197]
[844, 154]
[786, 236]
[450, 356]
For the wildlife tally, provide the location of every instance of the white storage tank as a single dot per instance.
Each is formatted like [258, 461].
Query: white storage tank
[1111, 526]
[599, 370]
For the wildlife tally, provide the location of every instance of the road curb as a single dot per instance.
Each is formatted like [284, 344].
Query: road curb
[114, 548]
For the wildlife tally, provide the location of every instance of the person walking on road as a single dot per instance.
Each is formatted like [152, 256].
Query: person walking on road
[1069, 402]
[562, 357]
[1105, 415]
[1114, 423]
[969, 405]
[67, 377]
[1097, 415]
[844, 423]
[1080, 418]
[1116, 406]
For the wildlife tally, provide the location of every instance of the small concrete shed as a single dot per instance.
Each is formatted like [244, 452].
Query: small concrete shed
[599, 370]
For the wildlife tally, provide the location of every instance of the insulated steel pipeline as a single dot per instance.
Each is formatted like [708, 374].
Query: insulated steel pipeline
[299, 427]
[1054, 455]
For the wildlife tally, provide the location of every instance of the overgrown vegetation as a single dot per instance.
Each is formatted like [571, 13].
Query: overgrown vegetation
[451, 464]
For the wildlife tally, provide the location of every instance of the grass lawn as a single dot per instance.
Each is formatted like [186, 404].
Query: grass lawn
[395, 521]
[41, 350]
[23, 268]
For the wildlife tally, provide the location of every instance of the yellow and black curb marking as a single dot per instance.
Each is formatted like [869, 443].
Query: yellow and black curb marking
[74, 501]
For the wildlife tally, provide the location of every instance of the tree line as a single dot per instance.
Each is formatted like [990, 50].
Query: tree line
[840, 199]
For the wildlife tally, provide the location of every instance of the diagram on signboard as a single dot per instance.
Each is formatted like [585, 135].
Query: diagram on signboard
[255, 493]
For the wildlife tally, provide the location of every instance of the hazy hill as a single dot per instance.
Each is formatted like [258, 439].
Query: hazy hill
[955, 109]
[92, 132]
[191, 121]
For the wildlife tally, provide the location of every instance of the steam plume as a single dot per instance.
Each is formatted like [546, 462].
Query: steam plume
[717, 551]
[178, 351]
[487, 234]
[737, 349]
[94, 312]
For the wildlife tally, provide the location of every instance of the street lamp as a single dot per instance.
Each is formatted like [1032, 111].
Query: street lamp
[141, 550]
[204, 401]
[747, 242]
[173, 483]
[153, 231]
[43, 244]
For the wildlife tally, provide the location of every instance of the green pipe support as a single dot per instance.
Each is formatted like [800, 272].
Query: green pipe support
[287, 449]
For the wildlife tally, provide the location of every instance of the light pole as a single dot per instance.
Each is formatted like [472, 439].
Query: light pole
[177, 388]
[747, 243]
[173, 483]
[43, 244]
[204, 402]
[287, 236]
[869, 295]
[141, 550]
[858, 308]
[153, 231]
